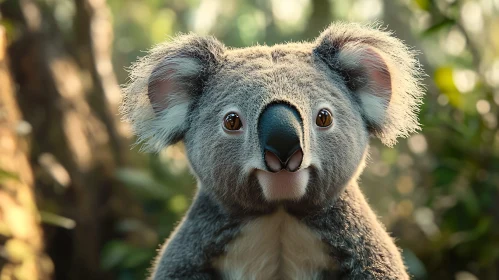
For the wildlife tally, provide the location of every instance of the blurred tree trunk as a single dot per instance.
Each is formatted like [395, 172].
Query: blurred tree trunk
[21, 240]
[94, 40]
[74, 126]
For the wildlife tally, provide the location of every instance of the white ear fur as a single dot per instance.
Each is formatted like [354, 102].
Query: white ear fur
[384, 71]
[374, 107]
[157, 104]
[163, 86]
[375, 89]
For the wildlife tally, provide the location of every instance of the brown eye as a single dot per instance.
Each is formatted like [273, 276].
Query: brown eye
[324, 118]
[232, 121]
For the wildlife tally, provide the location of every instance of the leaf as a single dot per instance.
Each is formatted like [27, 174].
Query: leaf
[113, 254]
[444, 78]
[142, 183]
[56, 220]
[423, 4]
[482, 228]
[6, 175]
[179, 203]
[121, 254]
[471, 202]
[447, 22]
[138, 257]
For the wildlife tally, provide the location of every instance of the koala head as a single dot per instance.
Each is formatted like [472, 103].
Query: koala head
[285, 124]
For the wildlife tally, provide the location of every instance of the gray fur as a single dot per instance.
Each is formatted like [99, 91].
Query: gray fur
[203, 234]
[368, 251]
[202, 81]
[407, 92]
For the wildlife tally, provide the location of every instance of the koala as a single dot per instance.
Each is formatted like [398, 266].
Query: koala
[277, 137]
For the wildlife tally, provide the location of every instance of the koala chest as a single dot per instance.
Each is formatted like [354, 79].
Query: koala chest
[277, 246]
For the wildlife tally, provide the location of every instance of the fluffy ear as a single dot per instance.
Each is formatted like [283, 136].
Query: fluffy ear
[382, 74]
[163, 87]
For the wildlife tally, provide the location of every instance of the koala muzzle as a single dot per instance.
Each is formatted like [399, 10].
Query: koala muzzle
[279, 132]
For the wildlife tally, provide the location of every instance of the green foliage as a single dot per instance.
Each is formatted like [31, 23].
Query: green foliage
[439, 194]
[163, 188]
[56, 220]
[6, 175]
[124, 255]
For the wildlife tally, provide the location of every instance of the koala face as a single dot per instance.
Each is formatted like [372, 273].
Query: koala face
[252, 82]
[287, 124]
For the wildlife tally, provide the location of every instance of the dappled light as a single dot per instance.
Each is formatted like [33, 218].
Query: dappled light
[71, 169]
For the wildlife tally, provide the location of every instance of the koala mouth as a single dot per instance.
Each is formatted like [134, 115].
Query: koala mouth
[283, 185]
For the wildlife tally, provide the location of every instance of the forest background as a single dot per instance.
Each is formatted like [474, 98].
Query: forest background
[76, 202]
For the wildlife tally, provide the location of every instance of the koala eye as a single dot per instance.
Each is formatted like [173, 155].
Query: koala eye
[324, 118]
[232, 121]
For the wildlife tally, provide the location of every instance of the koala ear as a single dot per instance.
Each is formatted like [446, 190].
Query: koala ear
[163, 87]
[382, 74]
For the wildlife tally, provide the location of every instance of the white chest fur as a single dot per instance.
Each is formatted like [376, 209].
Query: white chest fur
[276, 246]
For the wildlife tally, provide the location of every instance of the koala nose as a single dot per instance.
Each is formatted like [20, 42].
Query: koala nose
[279, 129]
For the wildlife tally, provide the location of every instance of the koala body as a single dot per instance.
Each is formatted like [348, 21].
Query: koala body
[277, 137]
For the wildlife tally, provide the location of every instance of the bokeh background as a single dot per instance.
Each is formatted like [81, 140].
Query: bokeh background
[76, 202]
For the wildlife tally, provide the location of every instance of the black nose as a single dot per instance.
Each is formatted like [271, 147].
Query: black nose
[279, 129]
